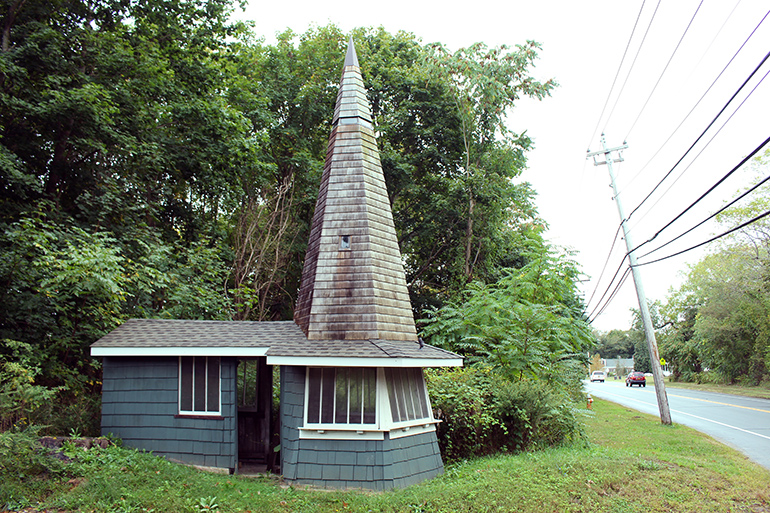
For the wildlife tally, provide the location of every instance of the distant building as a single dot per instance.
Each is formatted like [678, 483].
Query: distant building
[611, 365]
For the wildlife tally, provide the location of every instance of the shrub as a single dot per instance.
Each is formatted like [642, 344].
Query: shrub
[483, 413]
[22, 455]
[20, 397]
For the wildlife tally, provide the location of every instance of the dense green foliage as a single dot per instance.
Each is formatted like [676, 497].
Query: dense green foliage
[615, 344]
[528, 324]
[483, 413]
[159, 160]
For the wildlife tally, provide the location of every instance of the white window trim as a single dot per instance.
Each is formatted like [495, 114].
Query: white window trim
[383, 419]
[193, 413]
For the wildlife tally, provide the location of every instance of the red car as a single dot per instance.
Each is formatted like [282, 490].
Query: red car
[636, 378]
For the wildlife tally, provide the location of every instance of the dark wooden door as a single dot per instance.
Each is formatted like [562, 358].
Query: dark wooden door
[255, 400]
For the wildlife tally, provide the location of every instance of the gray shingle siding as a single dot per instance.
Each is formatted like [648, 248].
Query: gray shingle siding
[369, 464]
[140, 405]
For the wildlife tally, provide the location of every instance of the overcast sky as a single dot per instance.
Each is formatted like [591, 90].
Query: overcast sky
[583, 45]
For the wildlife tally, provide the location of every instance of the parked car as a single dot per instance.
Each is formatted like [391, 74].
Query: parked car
[598, 376]
[636, 378]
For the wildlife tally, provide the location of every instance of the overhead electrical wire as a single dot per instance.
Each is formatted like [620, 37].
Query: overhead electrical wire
[612, 296]
[706, 145]
[607, 261]
[606, 291]
[668, 139]
[709, 191]
[712, 216]
[664, 71]
[602, 304]
[724, 23]
[617, 74]
[728, 232]
[764, 59]
[638, 51]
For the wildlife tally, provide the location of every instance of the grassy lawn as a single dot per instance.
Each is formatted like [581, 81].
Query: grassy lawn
[631, 464]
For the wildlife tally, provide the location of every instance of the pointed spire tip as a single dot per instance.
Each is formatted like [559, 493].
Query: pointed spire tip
[351, 59]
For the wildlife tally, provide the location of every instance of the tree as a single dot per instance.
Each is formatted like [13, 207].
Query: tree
[615, 344]
[639, 339]
[484, 84]
[595, 364]
[528, 324]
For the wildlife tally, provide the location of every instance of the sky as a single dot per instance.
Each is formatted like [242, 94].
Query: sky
[656, 90]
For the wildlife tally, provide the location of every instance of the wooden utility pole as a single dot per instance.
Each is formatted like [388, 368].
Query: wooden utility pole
[649, 332]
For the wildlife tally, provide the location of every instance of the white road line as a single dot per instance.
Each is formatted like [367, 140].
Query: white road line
[696, 416]
[723, 424]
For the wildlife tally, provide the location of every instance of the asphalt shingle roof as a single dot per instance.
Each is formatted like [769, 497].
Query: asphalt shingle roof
[281, 338]
[185, 333]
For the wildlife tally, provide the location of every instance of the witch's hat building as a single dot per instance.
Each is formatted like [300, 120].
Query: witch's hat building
[354, 409]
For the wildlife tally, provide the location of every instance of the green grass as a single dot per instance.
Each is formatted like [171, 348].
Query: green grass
[632, 463]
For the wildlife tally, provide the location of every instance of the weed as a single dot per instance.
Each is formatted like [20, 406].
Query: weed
[644, 464]
[207, 504]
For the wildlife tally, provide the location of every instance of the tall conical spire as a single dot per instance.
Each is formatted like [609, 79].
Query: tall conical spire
[353, 284]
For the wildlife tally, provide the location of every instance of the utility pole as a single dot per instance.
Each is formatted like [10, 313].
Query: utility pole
[649, 332]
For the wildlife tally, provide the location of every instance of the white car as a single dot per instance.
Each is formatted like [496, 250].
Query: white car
[598, 376]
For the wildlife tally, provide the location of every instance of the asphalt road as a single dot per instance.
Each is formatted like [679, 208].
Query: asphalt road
[741, 422]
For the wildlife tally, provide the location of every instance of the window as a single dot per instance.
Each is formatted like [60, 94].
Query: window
[406, 393]
[344, 242]
[342, 395]
[199, 385]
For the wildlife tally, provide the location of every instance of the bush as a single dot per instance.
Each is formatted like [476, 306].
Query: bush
[22, 455]
[20, 397]
[484, 413]
[80, 413]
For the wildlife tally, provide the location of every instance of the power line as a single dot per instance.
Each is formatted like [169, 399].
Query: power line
[699, 100]
[707, 144]
[712, 216]
[622, 281]
[724, 23]
[709, 191]
[617, 74]
[728, 232]
[606, 291]
[607, 261]
[700, 136]
[664, 70]
[599, 308]
[638, 51]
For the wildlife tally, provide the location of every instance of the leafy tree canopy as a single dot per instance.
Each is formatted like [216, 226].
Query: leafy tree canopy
[159, 160]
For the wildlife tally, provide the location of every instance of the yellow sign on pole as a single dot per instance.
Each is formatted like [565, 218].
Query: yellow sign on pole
[663, 361]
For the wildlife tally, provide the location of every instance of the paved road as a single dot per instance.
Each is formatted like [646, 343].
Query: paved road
[741, 422]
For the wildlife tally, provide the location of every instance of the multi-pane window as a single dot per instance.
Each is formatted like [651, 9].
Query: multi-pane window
[406, 393]
[345, 395]
[199, 388]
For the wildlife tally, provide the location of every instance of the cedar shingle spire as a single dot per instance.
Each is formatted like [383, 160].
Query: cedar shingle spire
[353, 285]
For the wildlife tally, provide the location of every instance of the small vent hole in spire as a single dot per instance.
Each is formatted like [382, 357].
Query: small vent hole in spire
[344, 242]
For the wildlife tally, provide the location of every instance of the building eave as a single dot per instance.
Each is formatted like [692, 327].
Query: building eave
[243, 352]
[316, 361]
